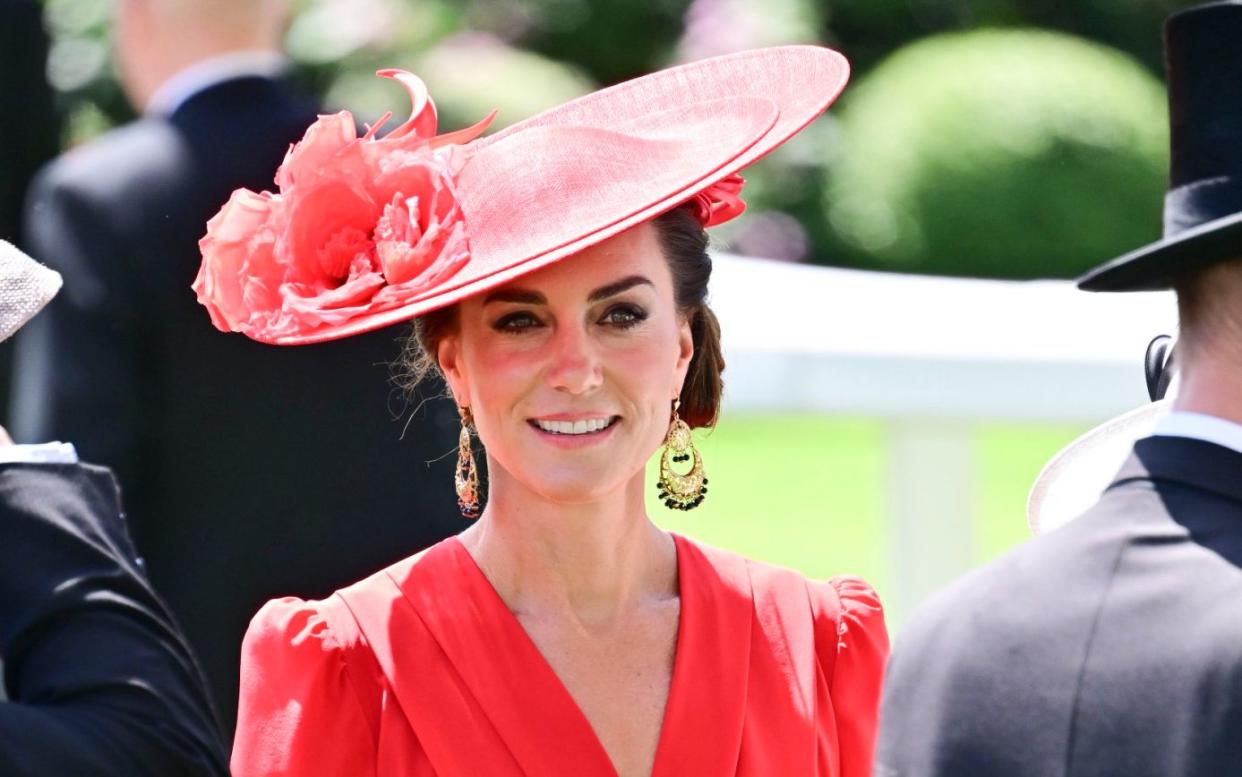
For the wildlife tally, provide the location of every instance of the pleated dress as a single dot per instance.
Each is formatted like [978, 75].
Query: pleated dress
[421, 670]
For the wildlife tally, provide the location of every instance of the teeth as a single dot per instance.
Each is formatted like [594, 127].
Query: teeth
[574, 427]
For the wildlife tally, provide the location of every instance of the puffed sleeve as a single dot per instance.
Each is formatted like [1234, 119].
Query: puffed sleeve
[858, 669]
[299, 712]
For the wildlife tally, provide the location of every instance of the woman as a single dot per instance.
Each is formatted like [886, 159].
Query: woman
[562, 632]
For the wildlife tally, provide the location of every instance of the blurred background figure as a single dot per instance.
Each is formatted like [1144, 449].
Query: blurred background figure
[248, 472]
[97, 680]
[29, 136]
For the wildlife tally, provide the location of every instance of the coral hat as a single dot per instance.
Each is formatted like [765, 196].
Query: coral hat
[368, 231]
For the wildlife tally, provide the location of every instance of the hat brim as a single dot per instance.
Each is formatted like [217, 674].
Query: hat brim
[1156, 266]
[1073, 479]
[732, 110]
[25, 288]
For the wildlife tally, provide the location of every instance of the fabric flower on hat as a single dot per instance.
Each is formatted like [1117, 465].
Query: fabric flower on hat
[359, 225]
[720, 202]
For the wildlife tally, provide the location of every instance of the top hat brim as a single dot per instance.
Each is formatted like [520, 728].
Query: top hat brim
[710, 119]
[1156, 266]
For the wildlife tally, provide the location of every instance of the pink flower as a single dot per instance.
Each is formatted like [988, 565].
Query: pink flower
[358, 226]
[719, 202]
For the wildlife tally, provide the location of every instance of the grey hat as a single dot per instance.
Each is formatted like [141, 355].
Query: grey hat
[25, 287]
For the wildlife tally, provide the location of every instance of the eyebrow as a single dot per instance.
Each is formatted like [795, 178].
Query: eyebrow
[530, 297]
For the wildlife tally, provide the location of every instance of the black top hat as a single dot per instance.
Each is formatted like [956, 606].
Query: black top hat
[1203, 208]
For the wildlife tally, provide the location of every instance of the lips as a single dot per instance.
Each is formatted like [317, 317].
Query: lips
[578, 426]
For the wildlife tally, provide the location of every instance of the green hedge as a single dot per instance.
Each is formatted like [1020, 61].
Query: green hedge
[998, 153]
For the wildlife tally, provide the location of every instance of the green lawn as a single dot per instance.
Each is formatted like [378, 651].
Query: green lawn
[808, 491]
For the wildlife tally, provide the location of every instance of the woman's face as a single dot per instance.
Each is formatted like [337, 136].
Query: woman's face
[570, 372]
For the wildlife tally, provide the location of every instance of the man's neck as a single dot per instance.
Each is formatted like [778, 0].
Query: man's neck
[1212, 387]
[192, 77]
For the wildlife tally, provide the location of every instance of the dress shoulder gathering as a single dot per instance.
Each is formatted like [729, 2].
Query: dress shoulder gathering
[422, 670]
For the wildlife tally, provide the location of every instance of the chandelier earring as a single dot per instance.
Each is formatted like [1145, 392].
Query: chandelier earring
[681, 491]
[466, 477]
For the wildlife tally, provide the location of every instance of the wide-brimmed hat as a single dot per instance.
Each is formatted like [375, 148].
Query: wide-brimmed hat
[1078, 474]
[369, 231]
[1203, 207]
[25, 287]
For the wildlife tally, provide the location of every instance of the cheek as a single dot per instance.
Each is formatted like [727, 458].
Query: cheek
[646, 368]
[498, 375]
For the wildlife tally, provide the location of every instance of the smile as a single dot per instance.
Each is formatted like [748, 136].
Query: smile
[583, 426]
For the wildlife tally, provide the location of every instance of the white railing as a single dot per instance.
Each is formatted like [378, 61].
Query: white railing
[930, 357]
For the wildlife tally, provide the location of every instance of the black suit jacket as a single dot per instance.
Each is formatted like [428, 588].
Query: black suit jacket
[250, 471]
[1111, 646]
[98, 679]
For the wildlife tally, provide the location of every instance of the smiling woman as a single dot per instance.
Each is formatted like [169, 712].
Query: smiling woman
[557, 273]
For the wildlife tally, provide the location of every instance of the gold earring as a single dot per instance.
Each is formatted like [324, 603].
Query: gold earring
[678, 491]
[466, 478]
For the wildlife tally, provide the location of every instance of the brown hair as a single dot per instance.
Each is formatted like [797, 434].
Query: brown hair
[684, 242]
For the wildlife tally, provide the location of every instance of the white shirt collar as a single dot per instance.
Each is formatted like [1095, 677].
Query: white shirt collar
[186, 83]
[1198, 426]
[43, 453]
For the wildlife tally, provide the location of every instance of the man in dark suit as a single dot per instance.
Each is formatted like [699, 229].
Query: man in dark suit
[97, 679]
[250, 471]
[1113, 645]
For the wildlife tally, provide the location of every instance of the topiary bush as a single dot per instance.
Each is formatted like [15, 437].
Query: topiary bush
[998, 153]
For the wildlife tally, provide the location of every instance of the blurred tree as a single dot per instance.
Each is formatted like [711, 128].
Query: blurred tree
[522, 55]
[1000, 153]
[468, 75]
[868, 30]
[714, 27]
[783, 190]
[79, 68]
[612, 40]
[339, 44]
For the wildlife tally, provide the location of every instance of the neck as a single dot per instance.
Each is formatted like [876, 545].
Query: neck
[1212, 386]
[595, 562]
[179, 60]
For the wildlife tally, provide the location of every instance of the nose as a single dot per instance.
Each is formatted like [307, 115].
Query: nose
[575, 362]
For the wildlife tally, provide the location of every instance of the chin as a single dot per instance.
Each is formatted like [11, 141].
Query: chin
[576, 488]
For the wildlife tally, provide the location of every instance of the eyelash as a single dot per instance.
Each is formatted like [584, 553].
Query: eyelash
[520, 322]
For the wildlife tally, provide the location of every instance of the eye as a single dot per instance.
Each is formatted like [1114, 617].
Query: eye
[624, 316]
[518, 322]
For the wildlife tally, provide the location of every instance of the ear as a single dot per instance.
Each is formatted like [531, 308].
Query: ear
[448, 354]
[685, 352]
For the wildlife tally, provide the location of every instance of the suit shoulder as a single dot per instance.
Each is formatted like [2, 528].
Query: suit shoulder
[136, 154]
[1044, 577]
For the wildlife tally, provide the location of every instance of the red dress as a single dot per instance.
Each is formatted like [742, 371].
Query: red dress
[421, 670]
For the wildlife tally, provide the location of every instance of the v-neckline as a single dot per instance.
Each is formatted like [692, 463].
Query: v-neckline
[512, 623]
[505, 671]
